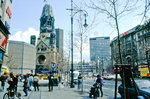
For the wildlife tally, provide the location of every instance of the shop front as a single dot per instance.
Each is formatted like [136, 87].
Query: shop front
[4, 34]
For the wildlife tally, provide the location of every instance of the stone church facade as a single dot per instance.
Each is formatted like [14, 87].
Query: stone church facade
[47, 53]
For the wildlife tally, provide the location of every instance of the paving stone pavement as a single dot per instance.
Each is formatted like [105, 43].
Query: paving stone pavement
[57, 93]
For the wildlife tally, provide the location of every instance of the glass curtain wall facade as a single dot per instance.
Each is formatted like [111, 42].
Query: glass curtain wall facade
[100, 50]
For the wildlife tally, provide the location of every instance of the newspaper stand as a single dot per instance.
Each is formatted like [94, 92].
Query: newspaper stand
[124, 67]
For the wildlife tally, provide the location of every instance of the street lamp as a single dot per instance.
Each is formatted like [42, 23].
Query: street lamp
[73, 12]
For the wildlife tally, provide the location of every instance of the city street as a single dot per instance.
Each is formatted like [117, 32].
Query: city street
[67, 92]
[108, 88]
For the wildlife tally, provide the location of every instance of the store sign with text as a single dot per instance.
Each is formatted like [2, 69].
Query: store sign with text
[3, 40]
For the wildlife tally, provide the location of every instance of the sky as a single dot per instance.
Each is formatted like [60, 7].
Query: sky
[26, 14]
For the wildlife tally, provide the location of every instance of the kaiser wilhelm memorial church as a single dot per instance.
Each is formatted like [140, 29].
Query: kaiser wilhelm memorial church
[47, 55]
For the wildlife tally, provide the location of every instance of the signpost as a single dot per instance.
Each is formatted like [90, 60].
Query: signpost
[53, 65]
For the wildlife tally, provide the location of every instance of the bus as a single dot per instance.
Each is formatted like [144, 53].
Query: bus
[144, 71]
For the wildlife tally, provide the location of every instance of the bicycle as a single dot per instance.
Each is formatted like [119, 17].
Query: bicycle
[11, 94]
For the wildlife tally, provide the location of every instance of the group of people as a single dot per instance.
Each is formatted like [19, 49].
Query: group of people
[12, 80]
[29, 82]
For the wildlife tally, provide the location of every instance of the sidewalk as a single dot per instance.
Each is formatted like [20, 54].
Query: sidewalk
[57, 93]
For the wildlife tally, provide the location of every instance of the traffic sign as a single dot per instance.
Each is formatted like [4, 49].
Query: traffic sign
[53, 65]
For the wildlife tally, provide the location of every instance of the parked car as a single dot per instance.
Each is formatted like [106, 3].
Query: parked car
[143, 87]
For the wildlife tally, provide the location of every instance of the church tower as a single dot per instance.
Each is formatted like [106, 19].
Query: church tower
[46, 55]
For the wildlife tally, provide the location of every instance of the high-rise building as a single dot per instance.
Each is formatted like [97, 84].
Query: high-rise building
[33, 39]
[59, 40]
[100, 50]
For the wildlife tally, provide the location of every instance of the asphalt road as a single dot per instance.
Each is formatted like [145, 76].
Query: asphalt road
[108, 88]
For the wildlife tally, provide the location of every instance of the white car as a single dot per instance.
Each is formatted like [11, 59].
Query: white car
[112, 76]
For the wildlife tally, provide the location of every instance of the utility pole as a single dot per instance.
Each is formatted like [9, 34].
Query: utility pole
[102, 66]
[73, 12]
[72, 80]
[82, 76]
[98, 65]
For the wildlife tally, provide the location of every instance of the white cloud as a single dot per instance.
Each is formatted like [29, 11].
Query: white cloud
[24, 35]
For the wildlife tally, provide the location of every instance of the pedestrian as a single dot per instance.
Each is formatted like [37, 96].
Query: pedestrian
[3, 80]
[26, 85]
[30, 82]
[21, 77]
[59, 78]
[35, 82]
[100, 81]
[79, 81]
[51, 81]
[11, 82]
[15, 81]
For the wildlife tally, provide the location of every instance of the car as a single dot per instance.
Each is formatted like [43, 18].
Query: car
[111, 76]
[144, 90]
[105, 76]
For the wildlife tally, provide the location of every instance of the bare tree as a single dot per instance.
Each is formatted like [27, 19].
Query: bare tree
[146, 10]
[114, 10]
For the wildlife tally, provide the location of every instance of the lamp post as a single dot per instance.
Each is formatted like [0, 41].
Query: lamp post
[73, 12]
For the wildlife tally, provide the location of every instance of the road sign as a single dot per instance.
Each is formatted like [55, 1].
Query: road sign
[53, 65]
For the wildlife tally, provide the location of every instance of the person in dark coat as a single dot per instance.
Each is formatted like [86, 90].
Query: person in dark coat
[51, 81]
[15, 81]
[79, 81]
[11, 82]
[3, 80]
[100, 81]
[26, 85]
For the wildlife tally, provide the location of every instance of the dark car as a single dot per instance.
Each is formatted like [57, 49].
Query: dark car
[143, 87]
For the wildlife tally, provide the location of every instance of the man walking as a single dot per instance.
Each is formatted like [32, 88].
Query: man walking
[25, 85]
[51, 81]
[30, 82]
[79, 81]
[3, 80]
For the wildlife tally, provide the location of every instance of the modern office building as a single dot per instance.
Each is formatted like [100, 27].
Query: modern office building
[100, 51]
[21, 57]
[59, 39]
[5, 17]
